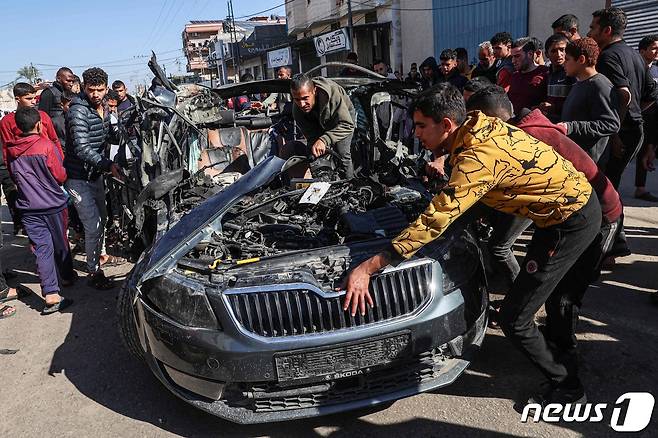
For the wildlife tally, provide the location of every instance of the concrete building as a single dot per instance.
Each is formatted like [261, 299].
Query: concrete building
[372, 29]
[196, 38]
[199, 36]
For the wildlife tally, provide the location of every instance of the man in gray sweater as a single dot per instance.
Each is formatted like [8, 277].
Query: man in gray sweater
[326, 117]
[590, 112]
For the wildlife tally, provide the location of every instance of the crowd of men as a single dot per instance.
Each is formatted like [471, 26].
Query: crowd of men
[55, 162]
[538, 141]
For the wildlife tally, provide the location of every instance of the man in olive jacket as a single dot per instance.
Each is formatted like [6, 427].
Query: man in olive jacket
[326, 117]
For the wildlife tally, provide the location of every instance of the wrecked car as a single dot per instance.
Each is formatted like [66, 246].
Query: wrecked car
[237, 307]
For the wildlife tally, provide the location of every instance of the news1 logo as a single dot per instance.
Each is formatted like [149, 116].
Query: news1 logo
[630, 413]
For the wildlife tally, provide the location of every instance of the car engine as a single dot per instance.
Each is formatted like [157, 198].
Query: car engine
[275, 221]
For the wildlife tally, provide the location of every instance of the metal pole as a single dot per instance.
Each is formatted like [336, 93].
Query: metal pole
[237, 43]
[350, 24]
[396, 28]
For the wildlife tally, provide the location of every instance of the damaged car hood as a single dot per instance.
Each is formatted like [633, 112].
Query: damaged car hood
[206, 218]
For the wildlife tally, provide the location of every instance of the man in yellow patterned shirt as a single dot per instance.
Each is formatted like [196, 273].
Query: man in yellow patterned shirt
[510, 171]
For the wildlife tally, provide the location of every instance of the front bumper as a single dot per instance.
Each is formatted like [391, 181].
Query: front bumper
[237, 376]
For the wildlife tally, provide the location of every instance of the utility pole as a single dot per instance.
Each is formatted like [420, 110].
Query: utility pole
[236, 56]
[350, 24]
[396, 27]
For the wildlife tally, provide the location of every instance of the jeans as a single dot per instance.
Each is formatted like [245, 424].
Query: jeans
[47, 233]
[344, 150]
[89, 200]
[556, 258]
[3, 281]
[507, 229]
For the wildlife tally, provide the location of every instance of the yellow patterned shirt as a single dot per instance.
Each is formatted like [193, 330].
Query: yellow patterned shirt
[506, 169]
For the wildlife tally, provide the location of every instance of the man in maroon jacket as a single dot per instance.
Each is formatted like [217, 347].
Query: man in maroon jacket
[35, 165]
[567, 297]
[25, 95]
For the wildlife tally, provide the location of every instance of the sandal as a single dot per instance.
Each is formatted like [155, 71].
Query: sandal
[100, 282]
[4, 309]
[113, 261]
[20, 293]
[57, 307]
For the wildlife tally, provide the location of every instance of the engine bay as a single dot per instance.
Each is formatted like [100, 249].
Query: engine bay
[278, 220]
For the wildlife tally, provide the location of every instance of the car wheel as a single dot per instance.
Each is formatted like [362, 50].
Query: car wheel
[127, 326]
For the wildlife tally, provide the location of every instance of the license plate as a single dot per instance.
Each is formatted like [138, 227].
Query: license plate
[347, 360]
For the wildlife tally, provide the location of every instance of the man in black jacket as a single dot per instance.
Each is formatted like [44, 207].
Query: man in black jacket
[87, 122]
[50, 101]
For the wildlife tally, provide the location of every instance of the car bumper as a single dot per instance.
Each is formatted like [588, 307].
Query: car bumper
[234, 376]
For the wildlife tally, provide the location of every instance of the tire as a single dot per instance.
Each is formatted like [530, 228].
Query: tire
[126, 322]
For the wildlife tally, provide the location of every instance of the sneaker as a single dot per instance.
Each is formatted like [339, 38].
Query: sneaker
[561, 394]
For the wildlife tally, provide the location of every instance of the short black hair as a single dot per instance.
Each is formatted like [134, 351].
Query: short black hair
[63, 70]
[613, 17]
[461, 53]
[647, 41]
[528, 44]
[27, 118]
[353, 55]
[447, 54]
[554, 39]
[441, 101]
[565, 22]
[284, 67]
[116, 84]
[112, 94]
[379, 61]
[23, 89]
[501, 38]
[247, 77]
[94, 77]
[477, 83]
[67, 95]
[300, 81]
[492, 101]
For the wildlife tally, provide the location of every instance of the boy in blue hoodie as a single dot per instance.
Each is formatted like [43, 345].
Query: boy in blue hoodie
[35, 165]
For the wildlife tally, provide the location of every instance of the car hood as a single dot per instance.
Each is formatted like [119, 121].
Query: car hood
[206, 218]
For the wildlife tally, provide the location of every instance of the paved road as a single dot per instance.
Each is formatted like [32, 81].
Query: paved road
[72, 377]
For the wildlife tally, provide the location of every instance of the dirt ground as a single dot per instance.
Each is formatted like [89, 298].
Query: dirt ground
[72, 376]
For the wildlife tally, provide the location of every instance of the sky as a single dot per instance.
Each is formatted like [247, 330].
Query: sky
[117, 35]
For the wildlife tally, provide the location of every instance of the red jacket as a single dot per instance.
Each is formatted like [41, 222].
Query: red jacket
[536, 124]
[9, 132]
[35, 165]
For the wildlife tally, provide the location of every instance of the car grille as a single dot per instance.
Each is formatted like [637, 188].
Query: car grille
[277, 313]
[265, 397]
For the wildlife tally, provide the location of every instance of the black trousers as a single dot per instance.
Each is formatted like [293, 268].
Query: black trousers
[632, 140]
[556, 256]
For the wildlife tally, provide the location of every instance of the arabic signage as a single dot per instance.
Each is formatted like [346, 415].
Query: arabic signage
[279, 58]
[332, 42]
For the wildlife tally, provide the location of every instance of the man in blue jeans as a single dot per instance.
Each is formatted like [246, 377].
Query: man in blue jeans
[88, 122]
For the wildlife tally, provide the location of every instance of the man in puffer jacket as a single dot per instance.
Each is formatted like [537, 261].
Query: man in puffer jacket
[87, 124]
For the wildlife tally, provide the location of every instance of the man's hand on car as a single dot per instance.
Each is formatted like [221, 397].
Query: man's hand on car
[319, 148]
[358, 281]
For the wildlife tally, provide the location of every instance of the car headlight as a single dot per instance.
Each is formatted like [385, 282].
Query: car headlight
[459, 260]
[181, 299]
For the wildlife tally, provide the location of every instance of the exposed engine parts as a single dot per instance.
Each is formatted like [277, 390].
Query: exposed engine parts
[275, 221]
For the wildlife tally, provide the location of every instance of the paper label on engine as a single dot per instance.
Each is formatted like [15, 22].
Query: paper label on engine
[315, 193]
